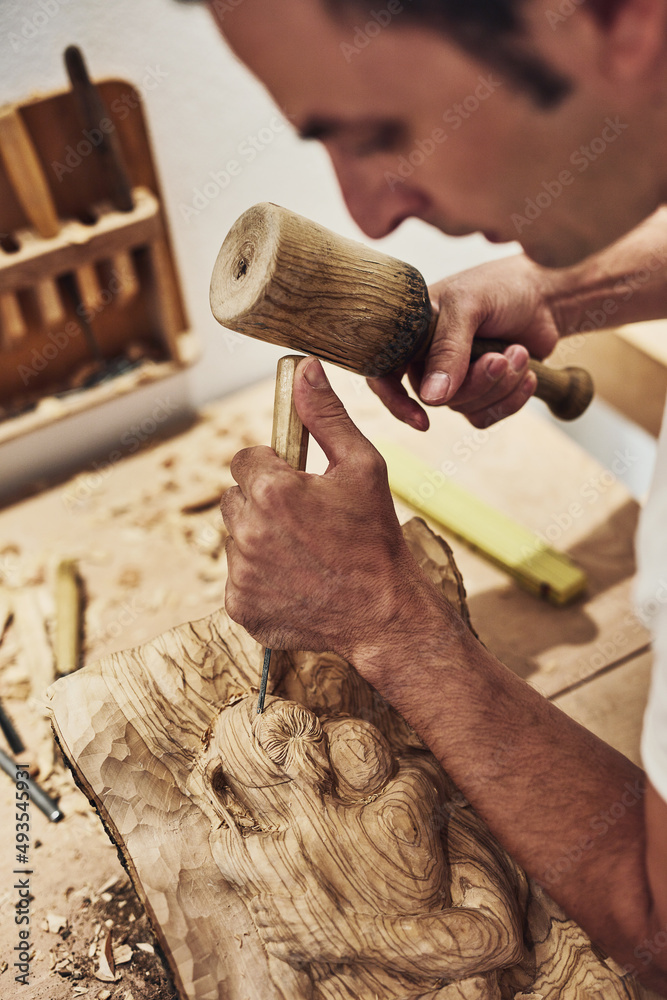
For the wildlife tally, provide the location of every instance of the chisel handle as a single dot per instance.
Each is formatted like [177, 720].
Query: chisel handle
[290, 438]
[566, 391]
[26, 173]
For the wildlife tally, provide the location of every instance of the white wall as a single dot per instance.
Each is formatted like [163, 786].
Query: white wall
[201, 111]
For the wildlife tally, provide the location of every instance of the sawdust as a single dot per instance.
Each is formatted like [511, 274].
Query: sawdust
[148, 540]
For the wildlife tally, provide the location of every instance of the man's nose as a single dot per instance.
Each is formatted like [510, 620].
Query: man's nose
[377, 199]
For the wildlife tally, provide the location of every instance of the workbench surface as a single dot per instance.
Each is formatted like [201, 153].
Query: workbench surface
[149, 540]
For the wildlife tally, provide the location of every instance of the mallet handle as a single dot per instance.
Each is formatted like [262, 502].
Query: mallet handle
[566, 391]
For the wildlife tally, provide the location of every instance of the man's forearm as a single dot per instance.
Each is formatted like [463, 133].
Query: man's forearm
[625, 283]
[568, 807]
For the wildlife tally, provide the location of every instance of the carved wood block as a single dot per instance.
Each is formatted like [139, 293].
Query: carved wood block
[316, 852]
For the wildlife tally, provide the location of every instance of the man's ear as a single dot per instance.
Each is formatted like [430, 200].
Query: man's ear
[634, 43]
[619, 41]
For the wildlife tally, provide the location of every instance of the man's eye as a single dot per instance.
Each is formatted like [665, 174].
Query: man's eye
[383, 140]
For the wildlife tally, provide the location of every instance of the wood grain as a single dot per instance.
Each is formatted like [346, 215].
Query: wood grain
[318, 852]
[286, 280]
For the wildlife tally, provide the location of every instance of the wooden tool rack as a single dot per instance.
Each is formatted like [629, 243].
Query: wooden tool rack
[90, 304]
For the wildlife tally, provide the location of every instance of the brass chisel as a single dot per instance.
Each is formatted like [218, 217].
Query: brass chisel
[289, 440]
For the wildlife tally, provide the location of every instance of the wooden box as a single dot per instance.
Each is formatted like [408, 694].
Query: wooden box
[90, 303]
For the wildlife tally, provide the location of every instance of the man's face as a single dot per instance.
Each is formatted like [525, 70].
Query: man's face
[415, 126]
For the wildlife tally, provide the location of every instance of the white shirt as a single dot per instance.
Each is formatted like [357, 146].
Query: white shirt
[651, 596]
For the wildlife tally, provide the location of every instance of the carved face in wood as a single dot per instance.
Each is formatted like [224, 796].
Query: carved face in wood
[335, 843]
[249, 753]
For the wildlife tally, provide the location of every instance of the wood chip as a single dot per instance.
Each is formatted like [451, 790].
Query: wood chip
[106, 971]
[55, 923]
[104, 995]
[207, 502]
[106, 896]
[148, 948]
[34, 640]
[15, 677]
[122, 954]
[108, 884]
[130, 577]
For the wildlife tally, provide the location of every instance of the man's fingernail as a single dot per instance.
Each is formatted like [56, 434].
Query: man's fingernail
[435, 387]
[495, 368]
[516, 356]
[315, 375]
[529, 384]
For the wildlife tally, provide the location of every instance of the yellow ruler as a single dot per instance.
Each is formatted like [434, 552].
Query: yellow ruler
[534, 564]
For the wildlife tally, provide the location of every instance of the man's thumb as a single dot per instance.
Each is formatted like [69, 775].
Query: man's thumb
[322, 412]
[447, 363]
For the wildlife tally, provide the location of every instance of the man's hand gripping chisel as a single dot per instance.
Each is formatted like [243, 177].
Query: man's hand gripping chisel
[289, 440]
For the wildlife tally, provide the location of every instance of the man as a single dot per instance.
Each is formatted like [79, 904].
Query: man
[568, 155]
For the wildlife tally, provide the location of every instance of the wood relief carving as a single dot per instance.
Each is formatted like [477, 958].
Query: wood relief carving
[315, 852]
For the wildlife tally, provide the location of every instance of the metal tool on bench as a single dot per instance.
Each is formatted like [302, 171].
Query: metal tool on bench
[289, 440]
[284, 279]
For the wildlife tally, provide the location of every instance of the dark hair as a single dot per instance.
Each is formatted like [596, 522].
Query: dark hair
[491, 30]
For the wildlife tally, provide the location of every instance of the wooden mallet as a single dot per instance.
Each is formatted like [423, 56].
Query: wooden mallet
[284, 279]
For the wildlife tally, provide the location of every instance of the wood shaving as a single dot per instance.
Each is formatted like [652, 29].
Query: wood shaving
[106, 971]
[55, 923]
[130, 577]
[122, 954]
